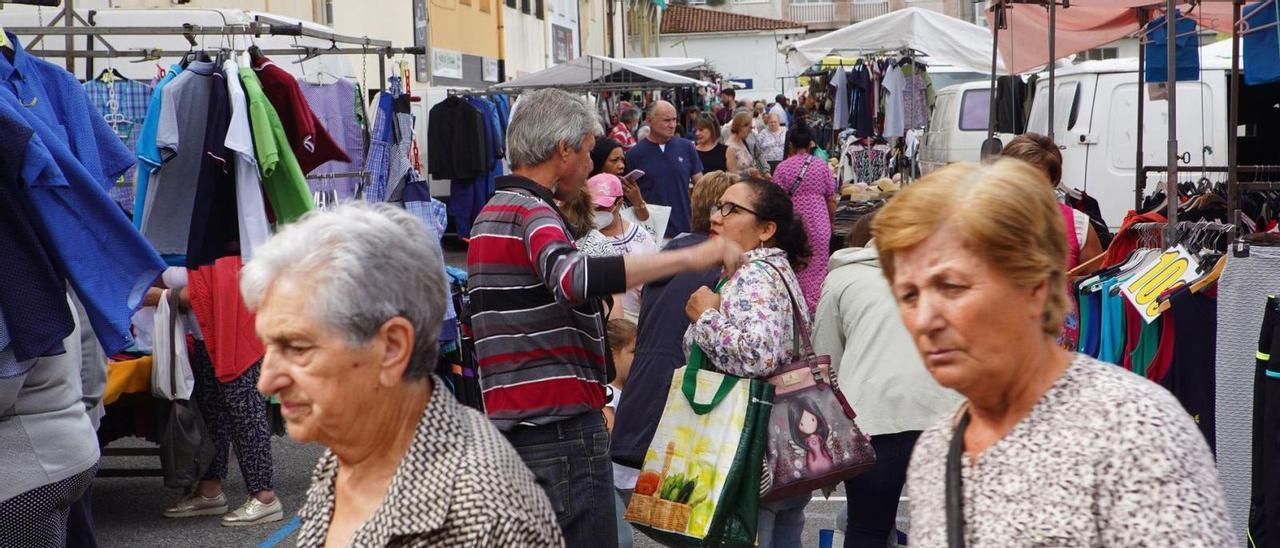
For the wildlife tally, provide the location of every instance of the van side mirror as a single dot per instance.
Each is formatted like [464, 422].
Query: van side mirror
[991, 149]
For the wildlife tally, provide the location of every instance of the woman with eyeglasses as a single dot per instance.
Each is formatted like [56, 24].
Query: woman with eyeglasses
[748, 328]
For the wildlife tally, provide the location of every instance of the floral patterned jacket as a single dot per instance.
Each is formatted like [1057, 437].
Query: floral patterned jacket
[752, 334]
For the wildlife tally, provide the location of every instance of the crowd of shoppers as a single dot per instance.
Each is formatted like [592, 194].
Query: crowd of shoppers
[941, 324]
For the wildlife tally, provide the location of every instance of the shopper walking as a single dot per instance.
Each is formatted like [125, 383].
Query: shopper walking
[748, 328]
[625, 237]
[728, 104]
[807, 179]
[349, 303]
[50, 452]
[226, 360]
[772, 140]
[536, 315]
[882, 377]
[712, 153]
[1049, 447]
[1040, 151]
[624, 131]
[779, 109]
[739, 157]
[659, 347]
[671, 166]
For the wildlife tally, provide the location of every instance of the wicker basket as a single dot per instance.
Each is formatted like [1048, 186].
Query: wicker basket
[652, 510]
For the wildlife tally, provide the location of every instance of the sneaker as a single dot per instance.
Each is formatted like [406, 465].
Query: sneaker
[195, 505]
[254, 512]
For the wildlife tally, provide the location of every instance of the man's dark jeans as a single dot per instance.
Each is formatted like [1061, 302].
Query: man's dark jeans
[570, 458]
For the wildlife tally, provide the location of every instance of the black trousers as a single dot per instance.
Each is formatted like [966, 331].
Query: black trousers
[38, 518]
[1264, 512]
[873, 495]
[80, 529]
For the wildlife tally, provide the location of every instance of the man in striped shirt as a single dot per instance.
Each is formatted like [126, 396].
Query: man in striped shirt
[537, 317]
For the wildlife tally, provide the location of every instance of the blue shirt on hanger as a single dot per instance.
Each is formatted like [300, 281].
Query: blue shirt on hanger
[1261, 49]
[102, 255]
[147, 151]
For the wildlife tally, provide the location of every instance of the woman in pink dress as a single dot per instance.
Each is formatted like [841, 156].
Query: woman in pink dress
[808, 180]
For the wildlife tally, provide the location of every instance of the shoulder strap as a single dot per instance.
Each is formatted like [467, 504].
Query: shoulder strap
[802, 342]
[795, 185]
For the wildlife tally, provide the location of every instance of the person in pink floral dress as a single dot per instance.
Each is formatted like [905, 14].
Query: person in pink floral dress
[809, 182]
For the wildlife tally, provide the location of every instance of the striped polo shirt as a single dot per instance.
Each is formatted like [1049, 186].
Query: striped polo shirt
[539, 331]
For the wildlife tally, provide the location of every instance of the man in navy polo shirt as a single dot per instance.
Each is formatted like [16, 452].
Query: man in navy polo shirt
[670, 164]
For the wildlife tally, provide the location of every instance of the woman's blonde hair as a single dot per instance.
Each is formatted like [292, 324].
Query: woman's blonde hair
[740, 120]
[705, 195]
[992, 211]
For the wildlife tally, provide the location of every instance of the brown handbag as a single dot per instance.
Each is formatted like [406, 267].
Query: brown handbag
[813, 441]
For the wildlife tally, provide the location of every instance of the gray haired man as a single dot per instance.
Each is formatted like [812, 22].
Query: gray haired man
[537, 317]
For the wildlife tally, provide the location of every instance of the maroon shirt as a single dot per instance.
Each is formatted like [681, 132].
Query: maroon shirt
[310, 142]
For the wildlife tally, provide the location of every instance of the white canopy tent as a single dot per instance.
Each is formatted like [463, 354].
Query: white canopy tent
[945, 40]
[597, 72]
[667, 63]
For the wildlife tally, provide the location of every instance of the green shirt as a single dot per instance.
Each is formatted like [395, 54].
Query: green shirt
[282, 177]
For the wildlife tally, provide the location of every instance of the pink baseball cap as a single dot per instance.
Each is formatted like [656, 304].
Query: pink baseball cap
[605, 189]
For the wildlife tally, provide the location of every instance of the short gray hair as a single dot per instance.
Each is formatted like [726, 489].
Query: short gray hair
[544, 119]
[630, 115]
[368, 263]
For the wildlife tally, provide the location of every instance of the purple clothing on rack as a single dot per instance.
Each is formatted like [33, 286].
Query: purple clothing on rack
[335, 106]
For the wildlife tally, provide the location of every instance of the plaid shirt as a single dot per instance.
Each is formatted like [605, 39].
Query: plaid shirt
[130, 109]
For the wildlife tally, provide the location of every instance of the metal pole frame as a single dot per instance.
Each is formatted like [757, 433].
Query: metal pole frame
[1233, 186]
[1053, 50]
[1171, 183]
[998, 16]
[1140, 176]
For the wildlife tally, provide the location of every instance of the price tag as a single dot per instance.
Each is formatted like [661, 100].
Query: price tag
[1175, 267]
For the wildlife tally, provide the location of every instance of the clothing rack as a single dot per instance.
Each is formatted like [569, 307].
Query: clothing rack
[339, 175]
[1234, 186]
[262, 25]
[453, 92]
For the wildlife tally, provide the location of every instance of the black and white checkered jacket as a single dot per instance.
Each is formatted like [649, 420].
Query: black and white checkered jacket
[460, 484]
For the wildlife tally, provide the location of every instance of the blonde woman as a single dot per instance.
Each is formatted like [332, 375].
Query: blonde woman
[1049, 448]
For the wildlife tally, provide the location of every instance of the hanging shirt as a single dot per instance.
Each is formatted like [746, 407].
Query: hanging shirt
[214, 223]
[378, 162]
[1186, 45]
[1261, 49]
[148, 154]
[30, 287]
[282, 177]
[334, 105]
[123, 103]
[840, 110]
[894, 109]
[180, 136]
[253, 227]
[88, 237]
[312, 145]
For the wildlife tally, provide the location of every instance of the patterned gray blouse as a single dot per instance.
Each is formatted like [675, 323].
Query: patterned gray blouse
[1105, 458]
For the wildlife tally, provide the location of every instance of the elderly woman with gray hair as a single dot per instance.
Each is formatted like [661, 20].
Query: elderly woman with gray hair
[1049, 448]
[349, 305]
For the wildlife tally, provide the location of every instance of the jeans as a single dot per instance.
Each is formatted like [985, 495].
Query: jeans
[781, 522]
[874, 494]
[570, 460]
[626, 536]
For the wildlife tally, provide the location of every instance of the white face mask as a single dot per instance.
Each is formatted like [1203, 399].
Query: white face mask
[603, 219]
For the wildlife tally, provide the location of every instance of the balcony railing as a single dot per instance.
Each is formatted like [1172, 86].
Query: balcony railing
[935, 5]
[861, 10]
[824, 12]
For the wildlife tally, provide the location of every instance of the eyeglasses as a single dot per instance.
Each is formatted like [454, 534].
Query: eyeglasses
[728, 208]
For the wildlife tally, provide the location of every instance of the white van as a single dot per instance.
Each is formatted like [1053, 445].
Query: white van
[1096, 125]
[957, 126]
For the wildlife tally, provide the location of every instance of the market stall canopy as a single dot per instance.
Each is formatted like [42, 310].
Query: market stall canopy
[1084, 25]
[942, 38]
[673, 64]
[597, 72]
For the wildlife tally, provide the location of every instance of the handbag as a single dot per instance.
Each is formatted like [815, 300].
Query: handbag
[955, 485]
[700, 481]
[186, 448]
[813, 440]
